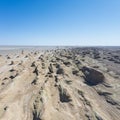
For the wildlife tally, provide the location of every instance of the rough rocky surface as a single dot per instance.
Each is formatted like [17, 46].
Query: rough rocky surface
[61, 84]
[92, 76]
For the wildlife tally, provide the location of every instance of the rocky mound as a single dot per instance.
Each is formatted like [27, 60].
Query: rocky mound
[92, 76]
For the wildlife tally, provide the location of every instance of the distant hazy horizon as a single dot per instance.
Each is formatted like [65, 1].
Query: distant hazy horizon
[60, 22]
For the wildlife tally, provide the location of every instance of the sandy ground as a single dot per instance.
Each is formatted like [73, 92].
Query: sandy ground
[61, 84]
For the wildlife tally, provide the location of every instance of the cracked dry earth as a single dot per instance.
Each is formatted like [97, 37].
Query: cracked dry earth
[57, 85]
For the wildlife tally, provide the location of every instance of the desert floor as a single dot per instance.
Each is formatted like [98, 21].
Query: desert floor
[61, 84]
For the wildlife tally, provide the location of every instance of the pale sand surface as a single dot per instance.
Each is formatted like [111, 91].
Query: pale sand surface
[60, 84]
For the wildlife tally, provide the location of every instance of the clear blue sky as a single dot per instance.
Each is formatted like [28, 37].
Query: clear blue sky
[60, 22]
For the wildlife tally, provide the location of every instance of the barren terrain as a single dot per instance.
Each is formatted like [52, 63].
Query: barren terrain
[61, 84]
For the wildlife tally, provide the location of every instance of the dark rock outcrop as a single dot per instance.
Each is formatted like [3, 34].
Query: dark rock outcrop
[64, 96]
[92, 76]
[60, 71]
[67, 63]
[50, 68]
[12, 62]
[36, 71]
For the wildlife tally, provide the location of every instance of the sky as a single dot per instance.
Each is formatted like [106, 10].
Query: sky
[60, 22]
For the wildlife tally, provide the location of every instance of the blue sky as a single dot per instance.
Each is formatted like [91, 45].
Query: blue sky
[60, 22]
